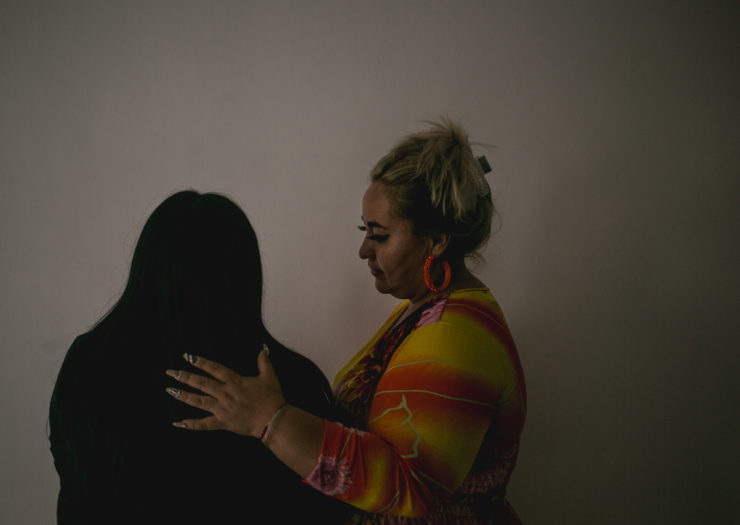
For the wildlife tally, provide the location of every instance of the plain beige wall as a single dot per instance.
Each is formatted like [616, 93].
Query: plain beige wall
[615, 128]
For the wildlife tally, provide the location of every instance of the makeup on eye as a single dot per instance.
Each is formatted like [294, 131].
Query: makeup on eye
[374, 237]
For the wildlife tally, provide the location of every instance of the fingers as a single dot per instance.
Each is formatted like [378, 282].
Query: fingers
[216, 370]
[206, 403]
[236, 402]
[202, 383]
[206, 423]
[264, 366]
[267, 377]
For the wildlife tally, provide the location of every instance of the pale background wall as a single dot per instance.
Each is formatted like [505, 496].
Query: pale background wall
[615, 173]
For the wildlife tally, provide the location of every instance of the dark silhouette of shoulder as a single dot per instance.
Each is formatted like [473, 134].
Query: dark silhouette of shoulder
[119, 458]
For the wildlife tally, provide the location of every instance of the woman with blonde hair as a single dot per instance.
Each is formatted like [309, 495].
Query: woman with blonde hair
[434, 404]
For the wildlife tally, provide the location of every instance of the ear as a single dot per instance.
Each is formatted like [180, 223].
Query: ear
[440, 241]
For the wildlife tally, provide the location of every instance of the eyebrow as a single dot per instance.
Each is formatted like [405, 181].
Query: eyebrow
[373, 224]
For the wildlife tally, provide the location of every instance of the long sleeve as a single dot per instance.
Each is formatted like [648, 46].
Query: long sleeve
[431, 410]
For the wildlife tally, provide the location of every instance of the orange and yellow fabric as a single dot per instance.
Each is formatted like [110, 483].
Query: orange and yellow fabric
[436, 406]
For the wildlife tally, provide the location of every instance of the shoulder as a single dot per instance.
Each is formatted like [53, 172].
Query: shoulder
[303, 383]
[463, 314]
[475, 306]
[465, 330]
[71, 395]
[81, 346]
[91, 353]
[79, 358]
[292, 364]
[91, 367]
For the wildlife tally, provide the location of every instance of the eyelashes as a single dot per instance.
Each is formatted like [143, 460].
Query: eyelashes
[376, 237]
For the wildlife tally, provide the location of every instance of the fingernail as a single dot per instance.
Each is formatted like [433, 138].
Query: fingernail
[174, 392]
[190, 358]
[266, 350]
[174, 373]
[179, 425]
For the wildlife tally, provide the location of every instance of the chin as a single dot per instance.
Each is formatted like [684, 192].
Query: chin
[381, 287]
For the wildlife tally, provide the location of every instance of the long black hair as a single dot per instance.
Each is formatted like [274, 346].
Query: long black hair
[195, 285]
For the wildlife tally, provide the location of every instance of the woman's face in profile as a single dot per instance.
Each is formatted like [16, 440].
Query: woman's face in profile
[394, 254]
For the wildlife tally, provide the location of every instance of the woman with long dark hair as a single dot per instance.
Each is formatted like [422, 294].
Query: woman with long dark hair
[195, 286]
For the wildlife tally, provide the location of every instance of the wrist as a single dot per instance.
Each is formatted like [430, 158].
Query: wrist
[268, 428]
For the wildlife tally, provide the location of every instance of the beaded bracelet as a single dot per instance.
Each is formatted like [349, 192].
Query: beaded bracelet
[271, 423]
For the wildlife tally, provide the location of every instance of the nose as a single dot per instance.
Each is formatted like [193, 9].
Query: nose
[366, 251]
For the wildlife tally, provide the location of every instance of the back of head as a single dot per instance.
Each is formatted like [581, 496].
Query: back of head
[195, 283]
[436, 183]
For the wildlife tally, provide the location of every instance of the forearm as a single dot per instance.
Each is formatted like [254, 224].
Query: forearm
[295, 439]
[363, 469]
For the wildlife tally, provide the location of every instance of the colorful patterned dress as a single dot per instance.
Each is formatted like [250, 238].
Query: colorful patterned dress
[435, 409]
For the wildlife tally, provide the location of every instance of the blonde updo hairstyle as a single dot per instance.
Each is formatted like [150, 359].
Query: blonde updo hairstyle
[435, 182]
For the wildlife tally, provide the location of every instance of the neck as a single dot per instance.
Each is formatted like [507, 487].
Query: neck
[461, 278]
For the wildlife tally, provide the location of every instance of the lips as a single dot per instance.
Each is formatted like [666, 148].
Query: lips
[375, 272]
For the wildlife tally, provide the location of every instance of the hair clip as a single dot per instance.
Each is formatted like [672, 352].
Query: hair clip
[484, 165]
[483, 187]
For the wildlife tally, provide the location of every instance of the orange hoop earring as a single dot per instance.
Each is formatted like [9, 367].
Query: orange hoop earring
[428, 275]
